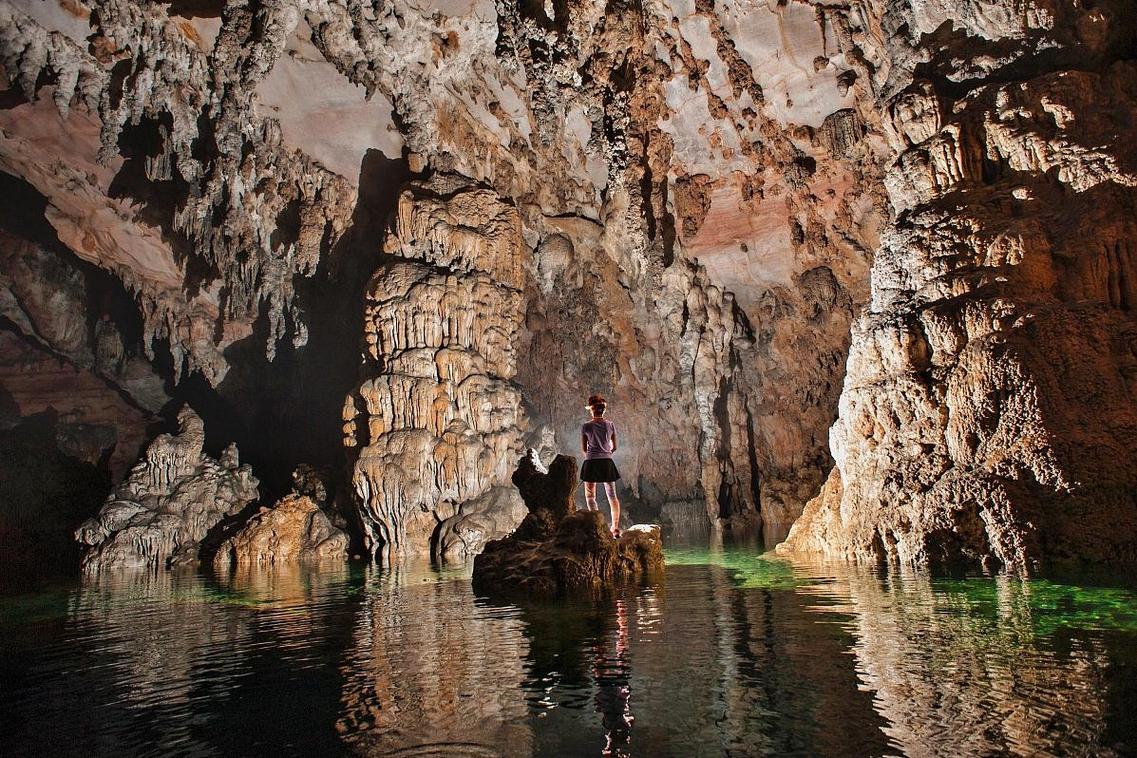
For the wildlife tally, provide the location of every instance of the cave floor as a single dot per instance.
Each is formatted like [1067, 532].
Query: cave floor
[734, 653]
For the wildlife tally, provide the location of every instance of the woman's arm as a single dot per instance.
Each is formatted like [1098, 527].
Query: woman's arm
[584, 443]
[614, 445]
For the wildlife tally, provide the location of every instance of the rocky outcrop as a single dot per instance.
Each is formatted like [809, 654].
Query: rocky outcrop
[989, 412]
[163, 510]
[495, 512]
[439, 422]
[558, 549]
[675, 204]
[294, 529]
[580, 556]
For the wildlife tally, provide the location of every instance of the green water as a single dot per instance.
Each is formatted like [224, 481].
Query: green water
[734, 653]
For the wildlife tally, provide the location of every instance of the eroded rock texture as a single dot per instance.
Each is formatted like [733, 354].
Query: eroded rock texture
[989, 411]
[294, 529]
[166, 174]
[441, 421]
[165, 507]
[674, 203]
[557, 549]
[687, 182]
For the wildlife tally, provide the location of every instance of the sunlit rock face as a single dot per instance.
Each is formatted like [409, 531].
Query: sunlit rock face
[990, 403]
[168, 503]
[666, 347]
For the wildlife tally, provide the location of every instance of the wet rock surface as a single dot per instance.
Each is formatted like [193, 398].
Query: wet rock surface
[557, 549]
[159, 515]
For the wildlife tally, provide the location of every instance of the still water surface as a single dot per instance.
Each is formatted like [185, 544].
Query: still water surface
[735, 653]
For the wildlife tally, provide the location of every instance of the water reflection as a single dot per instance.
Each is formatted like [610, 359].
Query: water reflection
[732, 654]
[430, 671]
[987, 666]
[611, 672]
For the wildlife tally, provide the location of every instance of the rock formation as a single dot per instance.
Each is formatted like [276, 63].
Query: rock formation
[439, 423]
[223, 205]
[558, 549]
[294, 529]
[170, 500]
[735, 220]
[990, 406]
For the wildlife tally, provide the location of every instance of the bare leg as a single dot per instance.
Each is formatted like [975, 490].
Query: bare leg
[590, 496]
[614, 504]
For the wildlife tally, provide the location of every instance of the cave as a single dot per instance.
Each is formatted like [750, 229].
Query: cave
[568, 378]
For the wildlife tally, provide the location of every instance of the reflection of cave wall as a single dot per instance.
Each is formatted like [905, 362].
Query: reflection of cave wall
[908, 636]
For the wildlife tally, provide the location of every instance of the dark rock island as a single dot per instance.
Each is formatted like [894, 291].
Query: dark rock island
[558, 549]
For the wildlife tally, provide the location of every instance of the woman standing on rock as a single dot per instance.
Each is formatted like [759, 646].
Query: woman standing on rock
[598, 442]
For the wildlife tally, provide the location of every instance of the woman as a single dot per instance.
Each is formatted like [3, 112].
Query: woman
[598, 442]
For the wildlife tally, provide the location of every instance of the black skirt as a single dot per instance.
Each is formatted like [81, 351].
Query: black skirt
[599, 470]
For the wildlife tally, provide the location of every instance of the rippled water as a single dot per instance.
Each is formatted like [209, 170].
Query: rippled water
[734, 654]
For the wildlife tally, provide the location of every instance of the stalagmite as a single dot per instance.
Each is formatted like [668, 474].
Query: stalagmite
[442, 419]
[168, 503]
[294, 529]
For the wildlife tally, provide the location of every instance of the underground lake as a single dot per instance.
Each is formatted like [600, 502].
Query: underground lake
[734, 652]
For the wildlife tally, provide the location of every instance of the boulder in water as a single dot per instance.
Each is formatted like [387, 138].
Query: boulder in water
[295, 529]
[558, 549]
[171, 499]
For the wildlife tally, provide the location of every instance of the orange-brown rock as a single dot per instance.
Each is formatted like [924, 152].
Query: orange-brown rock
[294, 529]
[582, 556]
[989, 412]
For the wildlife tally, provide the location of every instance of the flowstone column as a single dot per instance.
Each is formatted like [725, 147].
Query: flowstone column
[440, 423]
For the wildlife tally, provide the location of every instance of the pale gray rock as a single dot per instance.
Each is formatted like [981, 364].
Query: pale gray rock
[167, 504]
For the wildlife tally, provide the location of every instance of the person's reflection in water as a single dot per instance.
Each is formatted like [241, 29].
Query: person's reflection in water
[612, 676]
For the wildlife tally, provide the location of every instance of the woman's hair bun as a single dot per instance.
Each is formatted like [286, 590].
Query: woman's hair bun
[596, 400]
